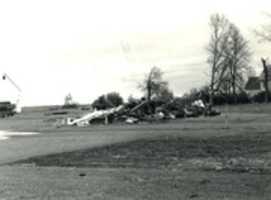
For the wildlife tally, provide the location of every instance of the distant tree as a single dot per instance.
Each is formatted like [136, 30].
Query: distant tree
[153, 85]
[165, 95]
[238, 57]
[228, 57]
[225, 86]
[114, 98]
[109, 100]
[100, 103]
[216, 48]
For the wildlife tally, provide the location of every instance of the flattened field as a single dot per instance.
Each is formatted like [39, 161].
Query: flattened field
[225, 157]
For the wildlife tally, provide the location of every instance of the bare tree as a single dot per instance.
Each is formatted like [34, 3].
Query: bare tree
[219, 26]
[153, 84]
[228, 57]
[165, 95]
[265, 72]
[238, 57]
[110, 100]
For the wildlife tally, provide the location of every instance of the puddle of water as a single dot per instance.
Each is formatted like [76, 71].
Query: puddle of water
[4, 135]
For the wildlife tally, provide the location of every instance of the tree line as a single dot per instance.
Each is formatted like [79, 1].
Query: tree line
[229, 56]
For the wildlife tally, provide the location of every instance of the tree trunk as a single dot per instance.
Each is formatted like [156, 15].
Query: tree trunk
[149, 94]
[265, 70]
[211, 94]
[211, 99]
[234, 89]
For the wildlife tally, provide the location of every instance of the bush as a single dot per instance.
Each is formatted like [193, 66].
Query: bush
[241, 98]
[260, 97]
[70, 106]
[109, 100]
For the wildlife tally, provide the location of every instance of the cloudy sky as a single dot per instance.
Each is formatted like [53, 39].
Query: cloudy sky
[88, 48]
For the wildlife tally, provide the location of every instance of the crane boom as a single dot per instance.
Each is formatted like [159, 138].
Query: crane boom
[5, 76]
[18, 106]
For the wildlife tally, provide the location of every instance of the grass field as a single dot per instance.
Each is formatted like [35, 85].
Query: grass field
[226, 157]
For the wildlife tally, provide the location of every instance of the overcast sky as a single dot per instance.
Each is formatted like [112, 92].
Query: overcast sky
[88, 48]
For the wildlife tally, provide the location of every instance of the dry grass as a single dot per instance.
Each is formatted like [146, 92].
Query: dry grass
[199, 158]
[161, 151]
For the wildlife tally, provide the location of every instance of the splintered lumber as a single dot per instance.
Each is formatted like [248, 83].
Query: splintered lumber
[138, 106]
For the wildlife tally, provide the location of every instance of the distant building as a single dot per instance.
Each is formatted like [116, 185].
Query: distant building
[255, 84]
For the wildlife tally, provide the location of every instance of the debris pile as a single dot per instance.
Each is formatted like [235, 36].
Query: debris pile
[86, 119]
[143, 111]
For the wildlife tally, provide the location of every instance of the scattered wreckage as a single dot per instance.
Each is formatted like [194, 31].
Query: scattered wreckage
[141, 112]
[86, 119]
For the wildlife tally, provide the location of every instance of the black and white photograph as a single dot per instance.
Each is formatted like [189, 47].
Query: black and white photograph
[135, 100]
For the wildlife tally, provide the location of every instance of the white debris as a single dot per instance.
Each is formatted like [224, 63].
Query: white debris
[93, 115]
[198, 103]
[131, 120]
[172, 116]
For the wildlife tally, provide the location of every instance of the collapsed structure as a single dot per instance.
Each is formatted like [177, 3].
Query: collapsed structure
[141, 111]
[85, 120]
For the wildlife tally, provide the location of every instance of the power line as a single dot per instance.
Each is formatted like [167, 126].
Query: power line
[126, 49]
[167, 72]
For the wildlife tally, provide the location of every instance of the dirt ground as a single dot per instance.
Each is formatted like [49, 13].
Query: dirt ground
[226, 157]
